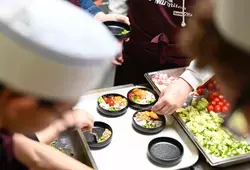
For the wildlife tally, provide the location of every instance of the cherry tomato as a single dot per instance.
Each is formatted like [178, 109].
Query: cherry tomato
[218, 87]
[111, 103]
[106, 99]
[210, 108]
[210, 86]
[213, 96]
[221, 104]
[225, 101]
[217, 99]
[225, 109]
[221, 97]
[213, 103]
[212, 80]
[217, 109]
[200, 91]
[200, 87]
[228, 104]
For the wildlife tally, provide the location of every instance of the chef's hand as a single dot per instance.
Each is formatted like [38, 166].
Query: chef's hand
[114, 17]
[172, 97]
[78, 119]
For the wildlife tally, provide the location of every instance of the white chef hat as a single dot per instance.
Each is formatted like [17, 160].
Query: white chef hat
[51, 49]
[232, 21]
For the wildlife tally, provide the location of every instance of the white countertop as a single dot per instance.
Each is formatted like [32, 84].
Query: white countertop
[128, 149]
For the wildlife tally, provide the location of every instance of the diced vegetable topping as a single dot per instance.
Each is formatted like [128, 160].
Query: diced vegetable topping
[124, 32]
[70, 153]
[207, 127]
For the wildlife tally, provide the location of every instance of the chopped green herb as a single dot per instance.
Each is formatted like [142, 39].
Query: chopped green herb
[124, 32]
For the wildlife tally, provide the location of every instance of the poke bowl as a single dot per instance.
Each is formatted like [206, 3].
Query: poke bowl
[148, 122]
[104, 134]
[142, 98]
[112, 105]
[120, 30]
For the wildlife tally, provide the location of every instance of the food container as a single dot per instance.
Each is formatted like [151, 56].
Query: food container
[148, 130]
[120, 30]
[165, 151]
[99, 129]
[144, 103]
[110, 109]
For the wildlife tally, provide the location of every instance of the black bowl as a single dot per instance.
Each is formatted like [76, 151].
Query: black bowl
[144, 130]
[117, 28]
[165, 151]
[98, 129]
[138, 106]
[109, 113]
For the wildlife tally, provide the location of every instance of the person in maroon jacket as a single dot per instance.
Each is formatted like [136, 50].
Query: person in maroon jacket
[152, 45]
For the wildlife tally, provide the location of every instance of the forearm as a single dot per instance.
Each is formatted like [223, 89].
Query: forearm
[118, 7]
[195, 76]
[49, 134]
[39, 156]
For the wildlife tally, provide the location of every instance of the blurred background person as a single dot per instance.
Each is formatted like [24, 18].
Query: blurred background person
[153, 43]
[219, 36]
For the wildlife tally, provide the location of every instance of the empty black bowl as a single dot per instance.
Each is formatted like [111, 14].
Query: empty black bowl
[165, 151]
[144, 130]
[98, 129]
[138, 106]
[109, 113]
[119, 29]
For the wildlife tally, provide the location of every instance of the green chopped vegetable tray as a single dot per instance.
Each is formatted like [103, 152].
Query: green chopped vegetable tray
[216, 143]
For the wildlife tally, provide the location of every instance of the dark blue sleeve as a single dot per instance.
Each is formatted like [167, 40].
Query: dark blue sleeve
[90, 6]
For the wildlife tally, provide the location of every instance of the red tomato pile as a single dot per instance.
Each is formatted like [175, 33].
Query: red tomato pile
[217, 102]
[110, 100]
[209, 86]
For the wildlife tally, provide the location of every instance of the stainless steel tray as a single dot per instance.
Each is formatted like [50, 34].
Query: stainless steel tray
[171, 72]
[74, 141]
[213, 161]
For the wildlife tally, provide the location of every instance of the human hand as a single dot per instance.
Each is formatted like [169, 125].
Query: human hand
[78, 119]
[172, 97]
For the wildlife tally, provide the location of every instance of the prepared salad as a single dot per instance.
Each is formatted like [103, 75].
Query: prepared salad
[141, 96]
[105, 136]
[207, 128]
[112, 102]
[147, 119]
